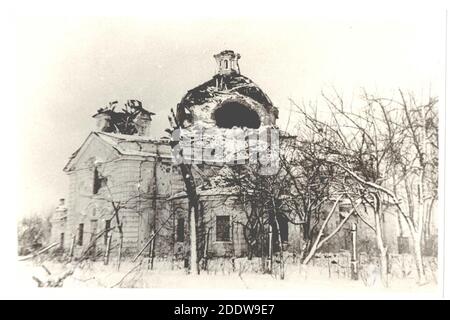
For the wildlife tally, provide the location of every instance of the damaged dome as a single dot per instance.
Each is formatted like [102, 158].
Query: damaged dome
[228, 100]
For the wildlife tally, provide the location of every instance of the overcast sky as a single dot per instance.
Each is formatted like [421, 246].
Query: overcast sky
[69, 67]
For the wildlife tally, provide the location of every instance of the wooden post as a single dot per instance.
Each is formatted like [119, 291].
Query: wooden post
[93, 239]
[107, 250]
[233, 252]
[205, 251]
[119, 253]
[353, 262]
[299, 245]
[174, 239]
[72, 247]
[281, 248]
[151, 252]
[270, 249]
[263, 257]
[193, 242]
[329, 266]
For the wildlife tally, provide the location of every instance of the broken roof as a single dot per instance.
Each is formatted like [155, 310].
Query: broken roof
[132, 144]
[230, 83]
[126, 145]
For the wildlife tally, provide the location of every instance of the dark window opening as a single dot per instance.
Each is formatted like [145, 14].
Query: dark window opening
[226, 64]
[234, 114]
[223, 228]
[282, 234]
[403, 245]
[284, 229]
[61, 241]
[180, 230]
[107, 227]
[347, 239]
[80, 234]
[99, 181]
[344, 210]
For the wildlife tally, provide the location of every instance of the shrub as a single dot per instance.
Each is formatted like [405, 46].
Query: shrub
[33, 233]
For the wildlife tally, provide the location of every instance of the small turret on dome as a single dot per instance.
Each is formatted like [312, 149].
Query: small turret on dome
[227, 62]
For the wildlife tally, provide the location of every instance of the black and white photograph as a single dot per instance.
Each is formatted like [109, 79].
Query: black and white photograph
[228, 150]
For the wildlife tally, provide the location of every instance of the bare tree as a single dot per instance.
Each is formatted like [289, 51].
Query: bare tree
[349, 144]
[413, 162]
[382, 147]
[33, 232]
[299, 192]
[311, 184]
[264, 199]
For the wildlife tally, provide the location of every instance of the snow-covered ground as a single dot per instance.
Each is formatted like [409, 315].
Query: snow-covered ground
[313, 281]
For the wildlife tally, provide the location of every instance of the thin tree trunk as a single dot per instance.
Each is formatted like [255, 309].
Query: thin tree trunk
[381, 248]
[317, 243]
[173, 237]
[194, 213]
[270, 248]
[205, 252]
[119, 253]
[193, 237]
[233, 252]
[151, 251]
[419, 232]
[281, 249]
[263, 256]
[107, 249]
[417, 235]
[312, 251]
[72, 247]
[417, 243]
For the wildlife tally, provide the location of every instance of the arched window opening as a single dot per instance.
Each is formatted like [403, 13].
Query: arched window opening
[234, 114]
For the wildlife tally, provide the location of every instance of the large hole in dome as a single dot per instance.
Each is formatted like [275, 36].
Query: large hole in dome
[234, 114]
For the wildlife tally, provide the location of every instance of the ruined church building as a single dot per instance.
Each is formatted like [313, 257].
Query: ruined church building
[135, 174]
